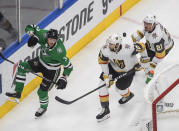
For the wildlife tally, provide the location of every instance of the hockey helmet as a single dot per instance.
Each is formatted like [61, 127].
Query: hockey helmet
[150, 19]
[52, 33]
[116, 40]
[149, 22]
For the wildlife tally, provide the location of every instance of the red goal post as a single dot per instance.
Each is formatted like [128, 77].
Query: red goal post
[154, 114]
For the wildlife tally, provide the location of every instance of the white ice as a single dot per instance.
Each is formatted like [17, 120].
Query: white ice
[80, 116]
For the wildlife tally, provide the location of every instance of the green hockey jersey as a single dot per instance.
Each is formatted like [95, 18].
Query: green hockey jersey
[52, 58]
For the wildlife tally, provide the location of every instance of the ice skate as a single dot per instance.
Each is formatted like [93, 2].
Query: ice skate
[40, 112]
[103, 115]
[13, 96]
[123, 100]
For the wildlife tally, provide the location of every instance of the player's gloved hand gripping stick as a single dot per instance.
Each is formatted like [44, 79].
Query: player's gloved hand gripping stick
[70, 102]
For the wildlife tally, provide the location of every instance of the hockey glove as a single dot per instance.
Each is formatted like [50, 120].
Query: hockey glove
[138, 67]
[32, 41]
[108, 80]
[144, 59]
[62, 83]
[139, 47]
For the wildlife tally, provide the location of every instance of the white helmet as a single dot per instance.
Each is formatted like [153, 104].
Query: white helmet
[114, 39]
[150, 19]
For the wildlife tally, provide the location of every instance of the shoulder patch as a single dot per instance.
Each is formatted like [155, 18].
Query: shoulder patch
[45, 35]
[59, 50]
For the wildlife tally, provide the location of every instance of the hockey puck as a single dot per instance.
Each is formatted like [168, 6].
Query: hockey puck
[124, 34]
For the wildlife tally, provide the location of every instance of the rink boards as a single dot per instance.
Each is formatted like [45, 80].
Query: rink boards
[85, 21]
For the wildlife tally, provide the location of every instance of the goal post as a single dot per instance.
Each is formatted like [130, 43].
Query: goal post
[154, 113]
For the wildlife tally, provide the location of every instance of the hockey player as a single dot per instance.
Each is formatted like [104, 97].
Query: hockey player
[158, 44]
[116, 58]
[52, 56]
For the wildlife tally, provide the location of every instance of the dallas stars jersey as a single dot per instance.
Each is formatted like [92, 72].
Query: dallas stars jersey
[158, 40]
[122, 61]
[54, 57]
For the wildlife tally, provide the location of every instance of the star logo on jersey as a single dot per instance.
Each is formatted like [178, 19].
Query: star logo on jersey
[154, 35]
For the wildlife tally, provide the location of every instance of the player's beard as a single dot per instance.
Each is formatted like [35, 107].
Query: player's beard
[150, 29]
[116, 50]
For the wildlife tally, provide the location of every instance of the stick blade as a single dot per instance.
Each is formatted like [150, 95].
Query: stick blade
[63, 101]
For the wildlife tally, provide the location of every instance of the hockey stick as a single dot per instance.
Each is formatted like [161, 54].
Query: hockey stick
[70, 102]
[27, 69]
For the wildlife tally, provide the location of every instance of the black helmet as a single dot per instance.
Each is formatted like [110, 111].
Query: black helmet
[52, 33]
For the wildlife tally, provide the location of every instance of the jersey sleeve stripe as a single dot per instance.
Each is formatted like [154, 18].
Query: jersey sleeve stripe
[140, 33]
[133, 39]
[104, 98]
[160, 55]
[100, 61]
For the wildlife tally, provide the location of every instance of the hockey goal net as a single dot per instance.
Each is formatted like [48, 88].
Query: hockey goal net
[165, 105]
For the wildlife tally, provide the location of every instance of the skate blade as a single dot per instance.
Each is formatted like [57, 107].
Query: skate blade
[38, 117]
[15, 100]
[104, 118]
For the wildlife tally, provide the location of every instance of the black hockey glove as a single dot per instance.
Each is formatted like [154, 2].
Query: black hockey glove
[61, 83]
[32, 41]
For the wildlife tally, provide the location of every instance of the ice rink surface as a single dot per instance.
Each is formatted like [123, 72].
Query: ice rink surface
[80, 116]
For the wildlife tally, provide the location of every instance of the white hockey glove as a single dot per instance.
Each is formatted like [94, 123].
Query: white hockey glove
[108, 80]
[139, 47]
[144, 59]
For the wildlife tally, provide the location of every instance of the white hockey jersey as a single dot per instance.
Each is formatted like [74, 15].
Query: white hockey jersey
[159, 40]
[122, 61]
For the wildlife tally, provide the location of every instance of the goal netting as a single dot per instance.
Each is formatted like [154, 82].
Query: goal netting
[163, 93]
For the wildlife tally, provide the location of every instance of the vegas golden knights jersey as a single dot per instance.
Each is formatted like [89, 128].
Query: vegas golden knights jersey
[121, 61]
